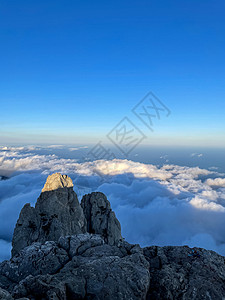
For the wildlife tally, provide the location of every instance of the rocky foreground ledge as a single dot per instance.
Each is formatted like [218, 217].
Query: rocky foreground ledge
[64, 250]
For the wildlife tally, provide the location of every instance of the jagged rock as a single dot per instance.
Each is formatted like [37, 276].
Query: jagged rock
[4, 295]
[56, 213]
[85, 267]
[98, 264]
[78, 244]
[100, 217]
[184, 273]
[77, 267]
[43, 287]
[57, 181]
[36, 259]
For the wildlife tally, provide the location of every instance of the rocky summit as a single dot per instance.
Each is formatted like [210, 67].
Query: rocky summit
[66, 250]
[57, 213]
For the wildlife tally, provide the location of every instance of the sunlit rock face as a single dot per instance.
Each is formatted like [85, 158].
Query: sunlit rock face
[56, 213]
[57, 181]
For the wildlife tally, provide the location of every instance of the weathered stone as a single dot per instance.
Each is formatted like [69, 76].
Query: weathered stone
[92, 261]
[100, 218]
[26, 230]
[78, 244]
[184, 273]
[36, 259]
[4, 295]
[44, 287]
[106, 277]
[57, 181]
[93, 271]
[57, 213]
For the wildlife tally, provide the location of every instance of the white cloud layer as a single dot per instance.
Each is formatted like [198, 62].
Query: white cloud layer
[217, 182]
[169, 205]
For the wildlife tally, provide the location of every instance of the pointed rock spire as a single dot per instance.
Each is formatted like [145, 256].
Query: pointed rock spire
[57, 213]
[100, 217]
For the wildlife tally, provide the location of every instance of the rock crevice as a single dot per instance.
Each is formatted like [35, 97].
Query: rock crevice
[100, 217]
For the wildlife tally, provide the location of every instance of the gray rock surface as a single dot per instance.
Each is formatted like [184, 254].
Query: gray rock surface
[85, 267]
[77, 267]
[57, 181]
[56, 213]
[36, 259]
[54, 257]
[100, 217]
[4, 295]
[184, 273]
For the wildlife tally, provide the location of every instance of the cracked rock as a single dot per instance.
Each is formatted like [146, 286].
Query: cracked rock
[64, 251]
[100, 218]
[4, 295]
[77, 267]
[184, 273]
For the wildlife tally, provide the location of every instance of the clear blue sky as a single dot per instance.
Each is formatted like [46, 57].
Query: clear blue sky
[70, 70]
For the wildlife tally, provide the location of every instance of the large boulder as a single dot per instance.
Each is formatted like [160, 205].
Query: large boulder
[100, 217]
[56, 213]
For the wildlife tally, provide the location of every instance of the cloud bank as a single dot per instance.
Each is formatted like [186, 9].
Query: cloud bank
[168, 205]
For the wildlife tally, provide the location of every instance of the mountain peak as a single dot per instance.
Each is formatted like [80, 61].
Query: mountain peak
[57, 181]
[58, 213]
[66, 250]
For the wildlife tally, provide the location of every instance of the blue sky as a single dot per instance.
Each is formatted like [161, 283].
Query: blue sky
[70, 70]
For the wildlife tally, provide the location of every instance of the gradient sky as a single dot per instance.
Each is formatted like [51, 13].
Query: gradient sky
[70, 70]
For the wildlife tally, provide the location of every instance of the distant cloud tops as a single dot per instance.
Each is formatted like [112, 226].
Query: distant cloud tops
[168, 205]
[196, 155]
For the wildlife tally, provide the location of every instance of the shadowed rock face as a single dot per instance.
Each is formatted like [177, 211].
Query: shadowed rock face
[77, 267]
[56, 213]
[4, 295]
[85, 267]
[184, 273]
[63, 261]
[100, 218]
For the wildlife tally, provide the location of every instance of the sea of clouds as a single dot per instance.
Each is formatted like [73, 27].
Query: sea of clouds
[167, 205]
